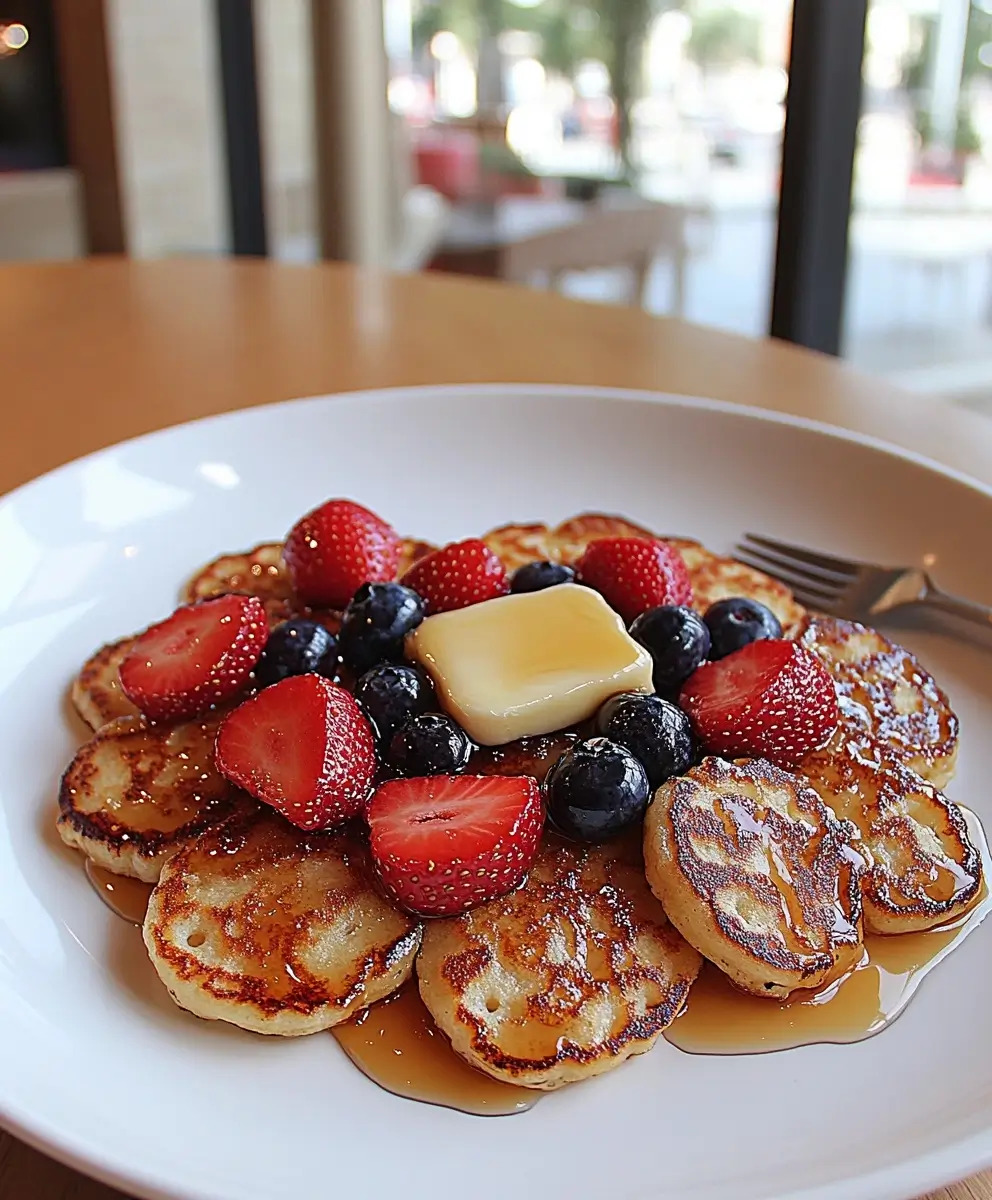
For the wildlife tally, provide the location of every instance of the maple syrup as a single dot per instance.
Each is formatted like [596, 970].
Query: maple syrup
[720, 1019]
[398, 1046]
[128, 898]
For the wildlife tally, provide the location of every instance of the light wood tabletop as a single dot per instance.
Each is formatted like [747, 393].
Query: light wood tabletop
[97, 351]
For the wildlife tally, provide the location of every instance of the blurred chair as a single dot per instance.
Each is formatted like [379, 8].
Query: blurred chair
[631, 235]
[41, 215]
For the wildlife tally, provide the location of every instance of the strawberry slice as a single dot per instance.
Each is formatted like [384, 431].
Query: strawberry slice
[303, 746]
[771, 699]
[633, 574]
[200, 656]
[447, 843]
[458, 575]
[333, 550]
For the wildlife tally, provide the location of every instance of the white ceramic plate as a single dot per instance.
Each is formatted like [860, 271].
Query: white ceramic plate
[99, 1068]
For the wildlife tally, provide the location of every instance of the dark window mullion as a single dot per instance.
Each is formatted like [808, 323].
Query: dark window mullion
[242, 137]
[822, 114]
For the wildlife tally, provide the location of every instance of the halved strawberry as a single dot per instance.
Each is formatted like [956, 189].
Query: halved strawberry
[200, 656]
[336, 548]
[447, 843]
[771, 699]
[634, 574]
[303, 746]
[458, 575]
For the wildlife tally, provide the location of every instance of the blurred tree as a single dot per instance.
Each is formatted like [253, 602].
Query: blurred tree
[723, 36]
[612, 31]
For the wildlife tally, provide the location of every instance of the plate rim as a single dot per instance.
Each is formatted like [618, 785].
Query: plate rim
[933, 1169]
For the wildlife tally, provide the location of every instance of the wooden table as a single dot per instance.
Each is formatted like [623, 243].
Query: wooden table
[98, 351]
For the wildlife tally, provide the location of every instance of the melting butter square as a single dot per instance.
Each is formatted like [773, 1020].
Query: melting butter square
[529, 664]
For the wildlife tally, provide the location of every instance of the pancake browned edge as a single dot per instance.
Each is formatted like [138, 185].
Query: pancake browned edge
[713, 577]
[276, 930]
[924, 869]
[890, 706]
[564, 978]
[758, 874]
[96, 692]
[135, 793]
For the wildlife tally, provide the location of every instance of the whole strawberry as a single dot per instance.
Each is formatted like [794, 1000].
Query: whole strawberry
[200, 656]
[634, 574]
[771, 699]
[458, 575]
[304, 747]
[333, 550]
[443, 844]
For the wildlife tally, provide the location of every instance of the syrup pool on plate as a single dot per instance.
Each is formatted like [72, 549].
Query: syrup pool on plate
[128, 898]
[397, 1045]
[720, 1019]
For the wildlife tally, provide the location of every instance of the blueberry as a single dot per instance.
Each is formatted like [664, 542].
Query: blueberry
[656, 732]
[391, 694]
[297, 647]
[377, 619]
[536, 576]
[737, 622]
[430, 744]
[595, 789]
[678, 641]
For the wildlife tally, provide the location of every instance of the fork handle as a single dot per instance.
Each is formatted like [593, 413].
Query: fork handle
[956, 606]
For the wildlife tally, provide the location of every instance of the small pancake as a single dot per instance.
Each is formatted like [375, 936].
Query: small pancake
[562, 979]
[717, 578]
[136, 792]
[276, 930]
[261, 572]
[713, 577]
[925, 871]
[757, 873]
[96, 691]
[889, 704]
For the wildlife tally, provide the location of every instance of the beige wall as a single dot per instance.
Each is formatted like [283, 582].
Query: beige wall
[165, 74]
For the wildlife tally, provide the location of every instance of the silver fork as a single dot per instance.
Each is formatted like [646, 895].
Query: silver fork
[843, 587]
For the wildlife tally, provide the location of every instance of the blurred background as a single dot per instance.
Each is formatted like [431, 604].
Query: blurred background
[623, 151]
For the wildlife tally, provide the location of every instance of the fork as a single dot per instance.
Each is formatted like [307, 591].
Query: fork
[843, 587]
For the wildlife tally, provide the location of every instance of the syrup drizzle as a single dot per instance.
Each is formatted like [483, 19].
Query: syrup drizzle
[720, 1019]
[128, 898]
[396, 1044]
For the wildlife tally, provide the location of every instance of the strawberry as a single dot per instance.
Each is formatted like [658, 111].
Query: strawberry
[447, 843]
[634, 574]
[200, 656]
[458, 575]
[302, 746]
[332, 551]
[771, 699]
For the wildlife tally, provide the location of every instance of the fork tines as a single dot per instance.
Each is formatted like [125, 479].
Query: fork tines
[816, 579]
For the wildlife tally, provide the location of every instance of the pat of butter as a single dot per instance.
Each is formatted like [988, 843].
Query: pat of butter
[529, 664]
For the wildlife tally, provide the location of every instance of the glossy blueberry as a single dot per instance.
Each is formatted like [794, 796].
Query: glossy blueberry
[297, 647]
[737, 622]
[391, 694]
[677, 640]
[595, 789]
[656, 732]
[536, 576]
[430, 744]
[377, 619]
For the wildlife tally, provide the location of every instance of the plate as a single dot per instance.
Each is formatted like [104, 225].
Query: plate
[101, 1070]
